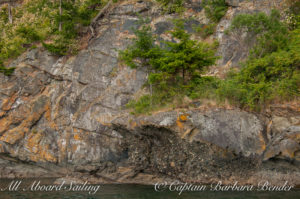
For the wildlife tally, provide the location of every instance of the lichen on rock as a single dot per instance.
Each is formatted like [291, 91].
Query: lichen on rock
[67, 115]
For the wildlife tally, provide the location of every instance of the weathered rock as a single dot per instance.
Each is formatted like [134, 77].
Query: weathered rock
[66, 116]
[234, 47]
[13, 168]
[285, 145]
[229, 129]
[233, 3]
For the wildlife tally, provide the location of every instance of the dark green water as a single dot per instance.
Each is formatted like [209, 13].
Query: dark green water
[140, 192]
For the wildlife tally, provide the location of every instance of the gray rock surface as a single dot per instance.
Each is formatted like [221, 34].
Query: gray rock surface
[67, 116]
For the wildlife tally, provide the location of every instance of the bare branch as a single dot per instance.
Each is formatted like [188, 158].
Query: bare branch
[101, 13]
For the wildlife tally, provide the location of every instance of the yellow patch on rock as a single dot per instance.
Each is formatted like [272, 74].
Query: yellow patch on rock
[33, 142]
[179, 124]
[74, 148]
[7, 103]
[13, 135]
[48, 156]
[183, 118]
[1, 148]
[262, 143]
[4, 124]
[77, 137]
[295, 136]
[2, 113]
[48, 117]
[133, 124]
[180, 119]
[288, 153]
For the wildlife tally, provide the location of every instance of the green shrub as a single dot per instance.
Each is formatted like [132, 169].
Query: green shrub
[186, 58]
[172, 6]
[58, 47]
[88, 10]
[292, 17]
[215, 9]
[271, 72]
[6, 71]
[270, 32]
[173, 67]
[4, 15]
[29, 33]
[203, 87]
[38, 21]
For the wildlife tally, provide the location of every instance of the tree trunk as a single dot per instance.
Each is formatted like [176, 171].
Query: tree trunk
[151, 94]
[10, 19]
[183, 75]
[60, 13]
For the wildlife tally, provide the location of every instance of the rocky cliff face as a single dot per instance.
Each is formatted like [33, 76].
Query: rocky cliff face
[66, 116]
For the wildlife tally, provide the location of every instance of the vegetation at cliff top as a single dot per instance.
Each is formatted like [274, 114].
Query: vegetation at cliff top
[172, 6]
[272, 71]
[173, 67]
[215, 9]
[270, 74]
[40, 21]
[55, 24]
[4, 70]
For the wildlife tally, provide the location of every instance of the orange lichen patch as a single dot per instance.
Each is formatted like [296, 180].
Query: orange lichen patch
[77, 137]
[269, 127]
[74, 148]
[269, 154]
[2, 113]
[7, 103]
[4, 124]
[288, 153]
[34, 158]
[33, 142]
[48, 117]
[46, 155]
[13, 135]
[179, 124]
[43, 156]
[1, 148]
[133, 124]
[295, 136]
[41, 152]
[262, 143]
[183, 118]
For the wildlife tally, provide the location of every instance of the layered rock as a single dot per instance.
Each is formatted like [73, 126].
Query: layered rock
[67, 116]
[234, 48]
